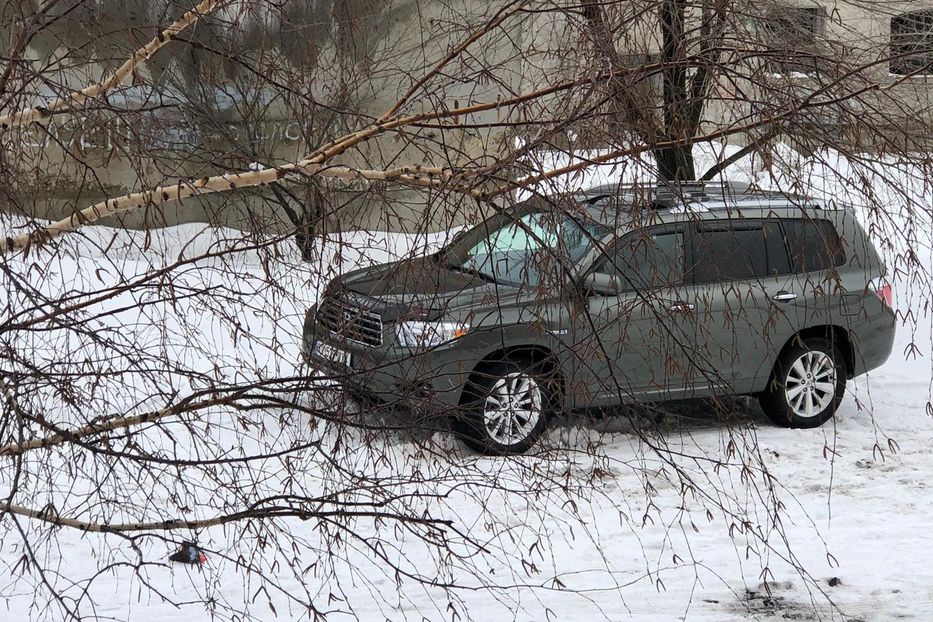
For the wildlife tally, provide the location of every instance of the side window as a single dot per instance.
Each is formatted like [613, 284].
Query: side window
[813, 245]
[644, 260]
[792, 36]
[747, 252]
[911, 43]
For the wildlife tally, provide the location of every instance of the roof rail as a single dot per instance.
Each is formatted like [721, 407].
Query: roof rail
[682, 187]
[712, 195]
[690, 188]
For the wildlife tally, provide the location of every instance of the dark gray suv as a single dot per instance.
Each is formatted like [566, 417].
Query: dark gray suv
[616, 294]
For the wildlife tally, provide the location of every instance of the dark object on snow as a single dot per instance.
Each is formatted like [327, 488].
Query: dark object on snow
[189, 553]
[834, 581]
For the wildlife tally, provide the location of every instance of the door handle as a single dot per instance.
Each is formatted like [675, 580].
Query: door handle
[681, 307]
[783, 296]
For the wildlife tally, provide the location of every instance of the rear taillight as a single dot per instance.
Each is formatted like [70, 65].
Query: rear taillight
[883, 290]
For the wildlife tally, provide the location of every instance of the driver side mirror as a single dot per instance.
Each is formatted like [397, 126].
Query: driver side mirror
[602, 284]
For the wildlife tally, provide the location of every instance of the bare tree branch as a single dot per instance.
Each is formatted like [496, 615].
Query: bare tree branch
[263, 512]
[79, 98]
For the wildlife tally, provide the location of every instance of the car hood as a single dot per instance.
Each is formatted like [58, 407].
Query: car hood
[422, 288]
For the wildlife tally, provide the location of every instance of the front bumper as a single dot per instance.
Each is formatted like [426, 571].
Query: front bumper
[431, 380]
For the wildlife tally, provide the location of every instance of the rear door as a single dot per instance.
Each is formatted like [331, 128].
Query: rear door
[746, 303]
[815, 254]
[633, 344]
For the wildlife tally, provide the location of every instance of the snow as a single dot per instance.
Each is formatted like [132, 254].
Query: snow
[597, 525]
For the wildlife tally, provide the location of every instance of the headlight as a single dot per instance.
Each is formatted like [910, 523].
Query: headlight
[417, 334]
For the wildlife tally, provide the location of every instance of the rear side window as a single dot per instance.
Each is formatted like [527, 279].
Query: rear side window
[646, 260]
[813, 245]
[735, 254]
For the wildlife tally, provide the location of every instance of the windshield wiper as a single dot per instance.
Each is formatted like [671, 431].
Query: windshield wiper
[472, 271]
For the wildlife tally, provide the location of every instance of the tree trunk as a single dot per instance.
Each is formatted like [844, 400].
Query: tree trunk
[674, 163]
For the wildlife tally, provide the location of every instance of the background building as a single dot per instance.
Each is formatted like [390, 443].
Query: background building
[265, 83]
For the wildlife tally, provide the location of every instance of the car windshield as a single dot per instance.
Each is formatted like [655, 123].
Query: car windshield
[524, 248]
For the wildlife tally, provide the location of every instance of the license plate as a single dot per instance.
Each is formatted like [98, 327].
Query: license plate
[327, 352]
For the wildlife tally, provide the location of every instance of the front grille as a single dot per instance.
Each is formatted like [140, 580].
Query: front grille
[352, 322]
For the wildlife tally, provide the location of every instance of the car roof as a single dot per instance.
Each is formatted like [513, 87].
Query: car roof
[616, 205]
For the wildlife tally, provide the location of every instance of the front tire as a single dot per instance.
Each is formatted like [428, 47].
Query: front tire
[506, 407]
[806, 385]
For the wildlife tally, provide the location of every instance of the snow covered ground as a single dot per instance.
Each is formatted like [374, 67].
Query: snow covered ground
[609, 532]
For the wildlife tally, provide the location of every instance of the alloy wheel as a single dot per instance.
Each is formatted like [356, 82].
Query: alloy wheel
[512, 408]
[810, 385]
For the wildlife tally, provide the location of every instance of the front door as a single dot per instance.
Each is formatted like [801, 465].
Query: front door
[636, 344]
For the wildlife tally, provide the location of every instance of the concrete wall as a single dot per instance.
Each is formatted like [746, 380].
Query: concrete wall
[208, 107]
[856, 33]
[264, 82]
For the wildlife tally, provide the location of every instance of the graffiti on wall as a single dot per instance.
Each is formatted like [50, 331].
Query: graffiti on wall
[144, 133]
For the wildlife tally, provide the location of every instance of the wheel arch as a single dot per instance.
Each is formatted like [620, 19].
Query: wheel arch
[836, 334]
[537, 354]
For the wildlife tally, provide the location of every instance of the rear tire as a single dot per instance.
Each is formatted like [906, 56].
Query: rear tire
[506, 407]
[807, 384]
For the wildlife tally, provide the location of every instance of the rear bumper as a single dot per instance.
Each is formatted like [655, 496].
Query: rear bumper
[432, 380]
[872, 343]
